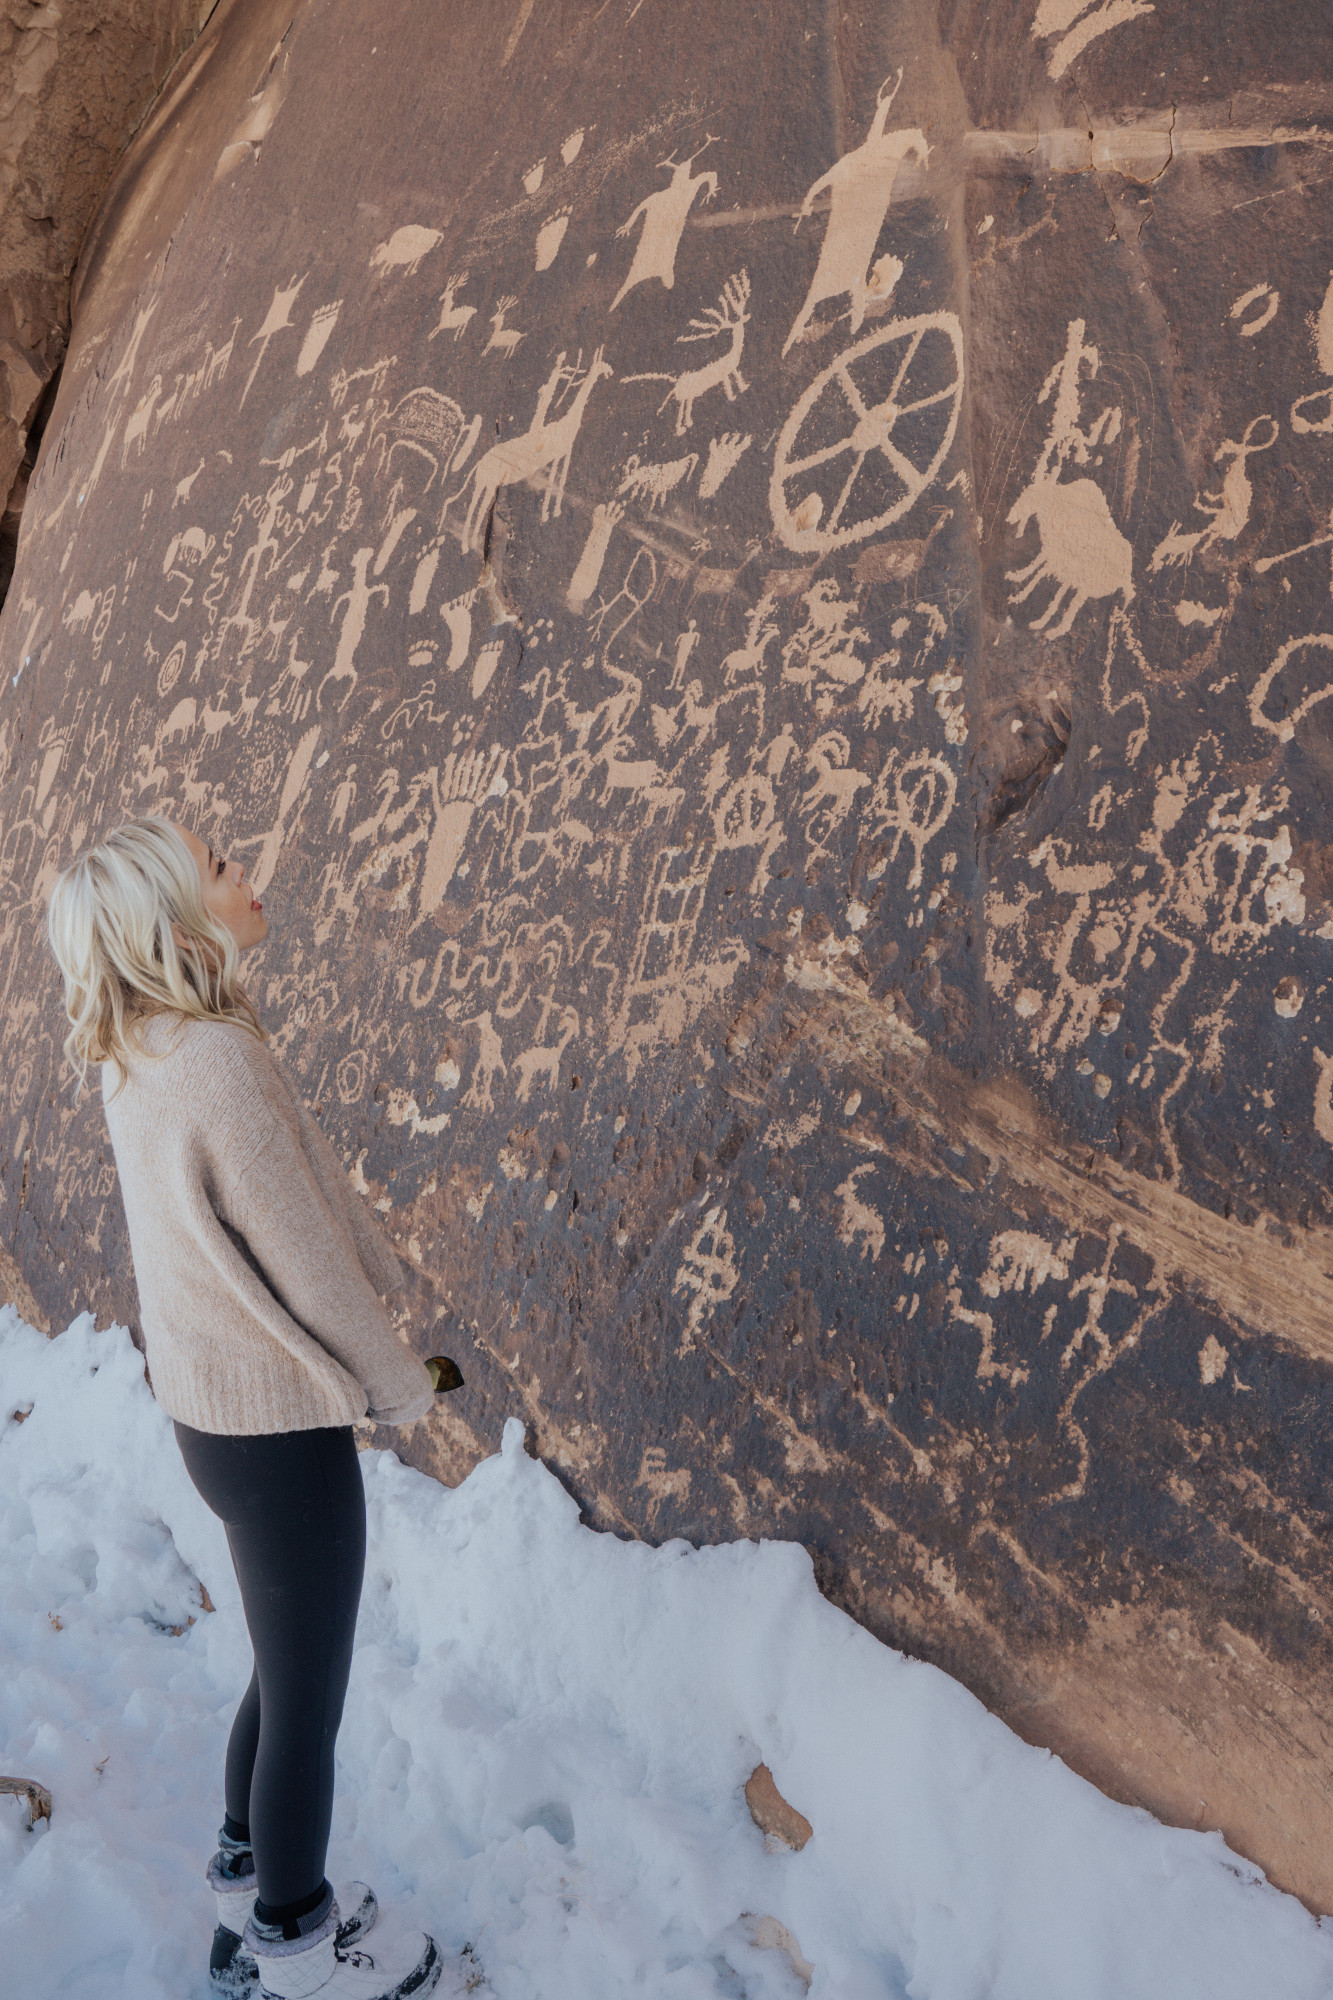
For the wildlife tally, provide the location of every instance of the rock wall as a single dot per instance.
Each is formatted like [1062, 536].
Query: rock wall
[75, 80]
[753, 590]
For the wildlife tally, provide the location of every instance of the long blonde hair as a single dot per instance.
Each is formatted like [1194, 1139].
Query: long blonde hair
[110, 926]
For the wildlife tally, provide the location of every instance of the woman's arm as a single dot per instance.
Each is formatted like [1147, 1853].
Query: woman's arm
[310, 1264]
[379, 1259]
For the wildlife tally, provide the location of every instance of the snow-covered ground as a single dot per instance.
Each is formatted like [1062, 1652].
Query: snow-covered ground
[544, 1751]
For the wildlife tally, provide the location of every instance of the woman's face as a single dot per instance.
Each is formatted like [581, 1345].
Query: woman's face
[226, 892]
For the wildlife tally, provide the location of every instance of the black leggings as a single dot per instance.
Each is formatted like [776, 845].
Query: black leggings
[294, 1509]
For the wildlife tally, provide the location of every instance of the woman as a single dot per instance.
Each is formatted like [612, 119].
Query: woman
[258, 1272]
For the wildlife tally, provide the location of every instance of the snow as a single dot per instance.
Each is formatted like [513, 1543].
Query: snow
[544, 1750]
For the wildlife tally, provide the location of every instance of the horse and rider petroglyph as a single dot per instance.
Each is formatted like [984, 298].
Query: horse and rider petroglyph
[1082, 550]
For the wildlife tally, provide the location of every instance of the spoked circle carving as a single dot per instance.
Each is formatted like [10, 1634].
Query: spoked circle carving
[869, 435]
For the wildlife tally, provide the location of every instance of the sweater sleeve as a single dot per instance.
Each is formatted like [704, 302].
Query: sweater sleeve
[308, 1258]
[379, 1259]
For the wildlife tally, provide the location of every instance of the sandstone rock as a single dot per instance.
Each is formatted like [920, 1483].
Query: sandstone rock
[76, 77]
[771, 1813]
[757, 605]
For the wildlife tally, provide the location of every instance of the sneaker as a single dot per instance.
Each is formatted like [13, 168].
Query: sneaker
[320, 1964]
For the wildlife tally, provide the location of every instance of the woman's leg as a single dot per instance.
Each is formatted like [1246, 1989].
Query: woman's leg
[294, 1508]
[241, 1747]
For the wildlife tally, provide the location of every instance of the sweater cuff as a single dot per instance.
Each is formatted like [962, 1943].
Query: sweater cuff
[404, 1413]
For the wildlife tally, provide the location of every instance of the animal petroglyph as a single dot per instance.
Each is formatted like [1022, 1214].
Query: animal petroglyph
[860, 186]
[588, 570]
[277, 319]
[357, 601]
[724, 455]
[832, 494]
[1082, 551]
[543, 447]
[504, 339]
[1059, 19]
[404, 250]
[542, 1062]
[728, 317]
[653, 482]
[664, 215]
[1229, 509]
[454, 318]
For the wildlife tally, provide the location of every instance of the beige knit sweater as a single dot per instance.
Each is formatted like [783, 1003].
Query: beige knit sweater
[257, 1264]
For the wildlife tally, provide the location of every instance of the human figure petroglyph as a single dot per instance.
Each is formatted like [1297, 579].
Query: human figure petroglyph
[724, 455]
[543, 447]
[480, 1093]
[664, 216]
[504, 339]
[404, 250]
[454, 318]
[685, 645]
[710, 1269]
[654, 482]
[915, 797]
[543, 1062]
[588, 570]
[276, 320]
[729, 317]
[358, 599]
[1228, 510]
[266, 545]
[860, 186]
[813, 493]
[1082, 551]
[317, 335]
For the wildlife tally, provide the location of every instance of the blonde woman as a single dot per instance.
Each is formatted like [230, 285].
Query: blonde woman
[259, 1275]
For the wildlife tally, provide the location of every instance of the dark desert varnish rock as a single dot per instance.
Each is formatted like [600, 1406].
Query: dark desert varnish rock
[754, 593]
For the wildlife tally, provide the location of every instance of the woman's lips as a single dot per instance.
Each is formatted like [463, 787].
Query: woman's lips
[255, 903]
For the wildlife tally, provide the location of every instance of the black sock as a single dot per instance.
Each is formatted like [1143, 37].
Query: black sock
[235, 1830]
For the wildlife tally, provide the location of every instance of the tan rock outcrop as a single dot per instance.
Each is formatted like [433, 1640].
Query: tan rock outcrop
[76, 77]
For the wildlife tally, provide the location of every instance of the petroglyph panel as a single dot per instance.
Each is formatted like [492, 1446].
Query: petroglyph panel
[766, 634]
